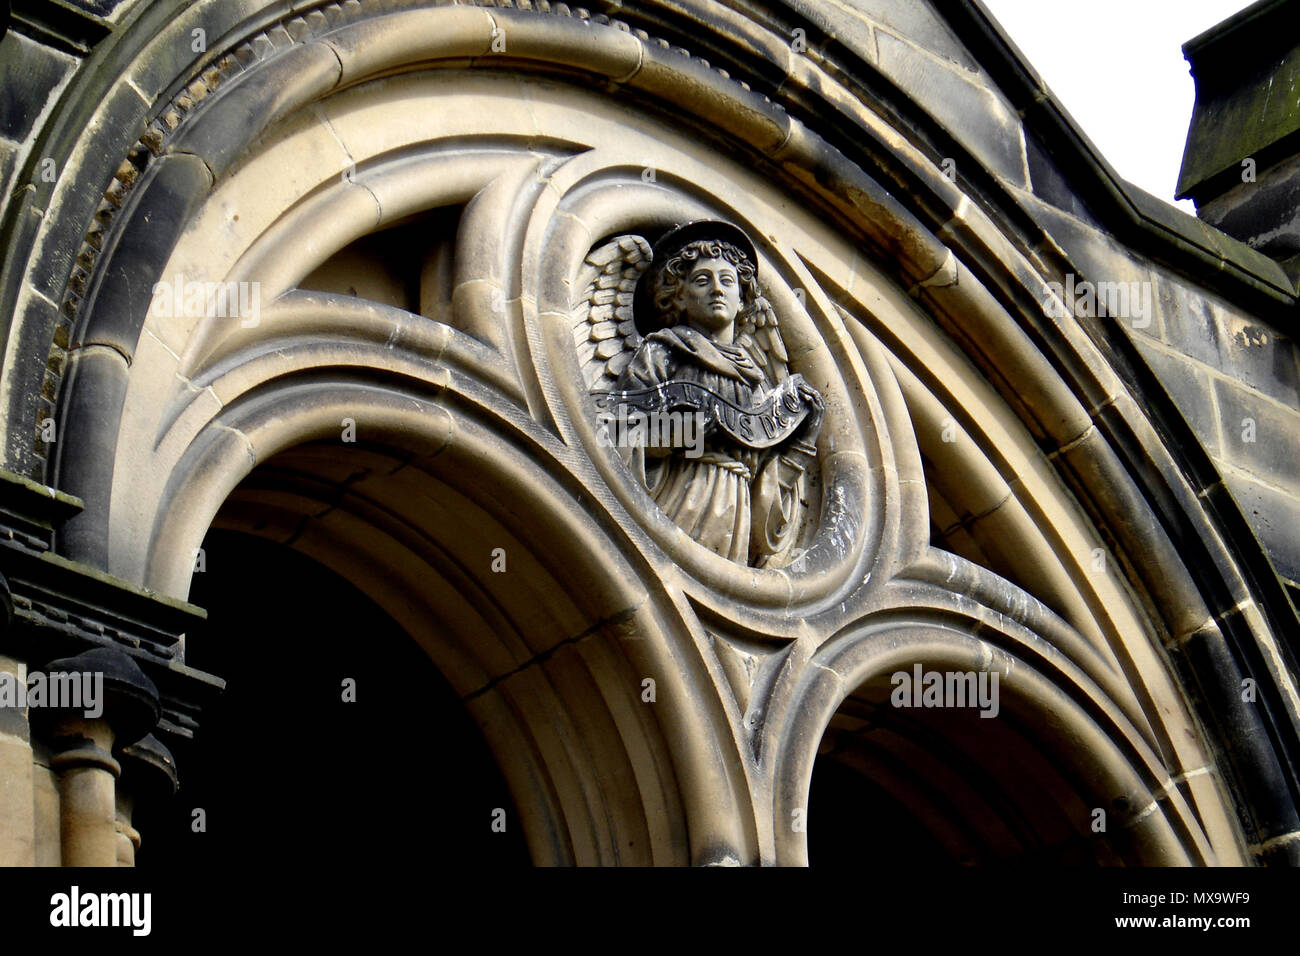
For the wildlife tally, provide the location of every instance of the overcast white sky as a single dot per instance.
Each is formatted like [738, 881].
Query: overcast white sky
[1117, 67]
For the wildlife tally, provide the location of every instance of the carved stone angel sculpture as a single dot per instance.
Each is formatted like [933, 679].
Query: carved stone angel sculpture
[687, 330]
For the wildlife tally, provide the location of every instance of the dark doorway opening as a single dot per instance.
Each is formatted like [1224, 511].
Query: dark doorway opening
[288, 772]
[946, 787]
[854, 823]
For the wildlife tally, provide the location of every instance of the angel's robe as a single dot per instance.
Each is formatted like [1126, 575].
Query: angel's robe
[743, 503]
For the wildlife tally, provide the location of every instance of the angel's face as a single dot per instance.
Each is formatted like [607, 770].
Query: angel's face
[710, 296]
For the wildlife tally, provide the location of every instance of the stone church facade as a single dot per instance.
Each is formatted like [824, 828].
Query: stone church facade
[329, 279]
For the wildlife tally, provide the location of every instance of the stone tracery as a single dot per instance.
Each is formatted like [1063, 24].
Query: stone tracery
[488, 374]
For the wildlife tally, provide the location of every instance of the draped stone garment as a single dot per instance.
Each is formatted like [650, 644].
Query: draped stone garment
[710, 497]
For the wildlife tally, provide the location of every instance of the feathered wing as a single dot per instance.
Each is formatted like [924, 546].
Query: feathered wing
[759, 334]
[603, 329]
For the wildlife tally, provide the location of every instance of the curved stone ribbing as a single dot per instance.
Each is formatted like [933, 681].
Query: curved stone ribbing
[184, 409]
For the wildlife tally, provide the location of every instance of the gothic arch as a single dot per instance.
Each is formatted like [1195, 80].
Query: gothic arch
[303, 134]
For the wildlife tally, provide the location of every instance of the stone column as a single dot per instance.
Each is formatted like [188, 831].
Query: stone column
[82, 748]
[17, 812]
[87, 785]
[148, 775]
[128, 837]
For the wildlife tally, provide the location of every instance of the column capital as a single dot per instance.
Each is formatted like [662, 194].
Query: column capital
[130, 702]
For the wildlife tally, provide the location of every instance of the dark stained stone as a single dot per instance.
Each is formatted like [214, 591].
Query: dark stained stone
[1274, 515]
[1190, 386]
[29, 73]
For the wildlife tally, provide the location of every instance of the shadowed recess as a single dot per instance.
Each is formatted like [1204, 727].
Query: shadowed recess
[401, 768]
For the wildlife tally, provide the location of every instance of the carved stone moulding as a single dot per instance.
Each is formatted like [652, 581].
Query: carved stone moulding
[511, 168]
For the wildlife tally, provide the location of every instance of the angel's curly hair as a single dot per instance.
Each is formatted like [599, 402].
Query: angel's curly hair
[678, 268]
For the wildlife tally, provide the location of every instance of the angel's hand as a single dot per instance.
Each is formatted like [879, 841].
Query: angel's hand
[807, 431]
[810, 395]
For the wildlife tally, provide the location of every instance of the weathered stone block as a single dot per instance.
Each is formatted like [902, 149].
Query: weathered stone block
[977, 118]
[243, 110]
[1260, 436]
[1258, 355]
[1049, 185]
[1240, 347]
[1190, 386]
[918, 23]
[29, 75]
[160, 209]
[1273, 514]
